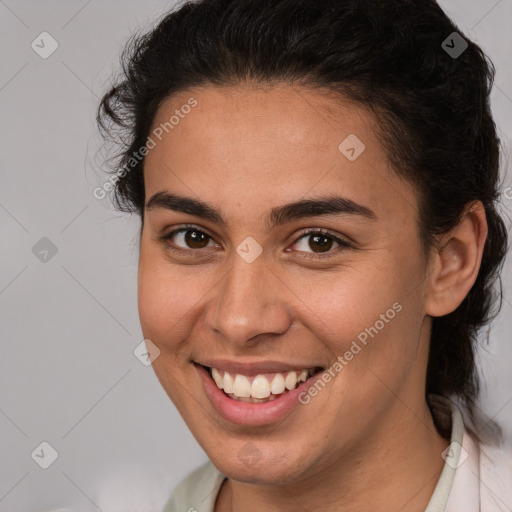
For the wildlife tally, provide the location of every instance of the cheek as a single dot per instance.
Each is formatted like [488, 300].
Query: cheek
[165, 299]
[351, 300]
[370, 315]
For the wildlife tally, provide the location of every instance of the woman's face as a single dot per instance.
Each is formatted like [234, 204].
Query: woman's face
[248, 291]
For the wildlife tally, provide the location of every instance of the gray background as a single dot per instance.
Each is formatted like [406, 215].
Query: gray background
[69, 325]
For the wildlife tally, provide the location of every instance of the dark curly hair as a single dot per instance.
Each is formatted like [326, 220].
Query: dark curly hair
[433, 116]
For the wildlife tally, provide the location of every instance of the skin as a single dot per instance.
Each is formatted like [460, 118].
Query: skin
[367, 441]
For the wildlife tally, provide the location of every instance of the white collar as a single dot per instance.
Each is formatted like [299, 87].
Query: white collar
[455, 480]
[476, 477]
[458, 487]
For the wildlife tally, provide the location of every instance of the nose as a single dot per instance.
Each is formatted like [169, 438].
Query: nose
[251, 300]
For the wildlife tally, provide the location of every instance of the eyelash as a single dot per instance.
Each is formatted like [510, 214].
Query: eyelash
[304, 234]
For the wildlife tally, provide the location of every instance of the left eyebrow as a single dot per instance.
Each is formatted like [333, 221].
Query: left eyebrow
[332, 205]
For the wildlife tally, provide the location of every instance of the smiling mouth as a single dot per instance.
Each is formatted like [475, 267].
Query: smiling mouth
[261, 388]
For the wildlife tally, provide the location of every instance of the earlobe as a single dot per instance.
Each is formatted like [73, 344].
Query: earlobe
[456, 262]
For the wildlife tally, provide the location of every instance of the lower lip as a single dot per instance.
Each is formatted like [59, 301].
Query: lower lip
[249, 414]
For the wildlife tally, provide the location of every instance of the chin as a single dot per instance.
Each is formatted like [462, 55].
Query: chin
[252, 465]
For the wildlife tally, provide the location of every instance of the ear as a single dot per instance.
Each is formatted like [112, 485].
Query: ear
[455, 262]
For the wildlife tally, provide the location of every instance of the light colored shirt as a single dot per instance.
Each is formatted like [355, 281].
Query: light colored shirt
[475, 478]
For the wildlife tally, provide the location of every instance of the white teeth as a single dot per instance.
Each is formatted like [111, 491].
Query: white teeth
[217, 378]
[277, 386]
[251, 400]
[242, 386]
[228, 383]
[261, 388]
[303, 376]
[291, 380]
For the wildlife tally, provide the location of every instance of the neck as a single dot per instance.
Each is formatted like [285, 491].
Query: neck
[397, 468]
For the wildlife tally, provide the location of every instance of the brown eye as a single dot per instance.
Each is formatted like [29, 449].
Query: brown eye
[188, 238]
[196, 239]
[323, 242]
[318, 243]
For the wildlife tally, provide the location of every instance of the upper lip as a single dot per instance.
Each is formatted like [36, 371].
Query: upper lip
[254, 367]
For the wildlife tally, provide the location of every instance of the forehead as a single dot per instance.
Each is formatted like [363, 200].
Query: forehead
[268, 144]
[277, 115]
